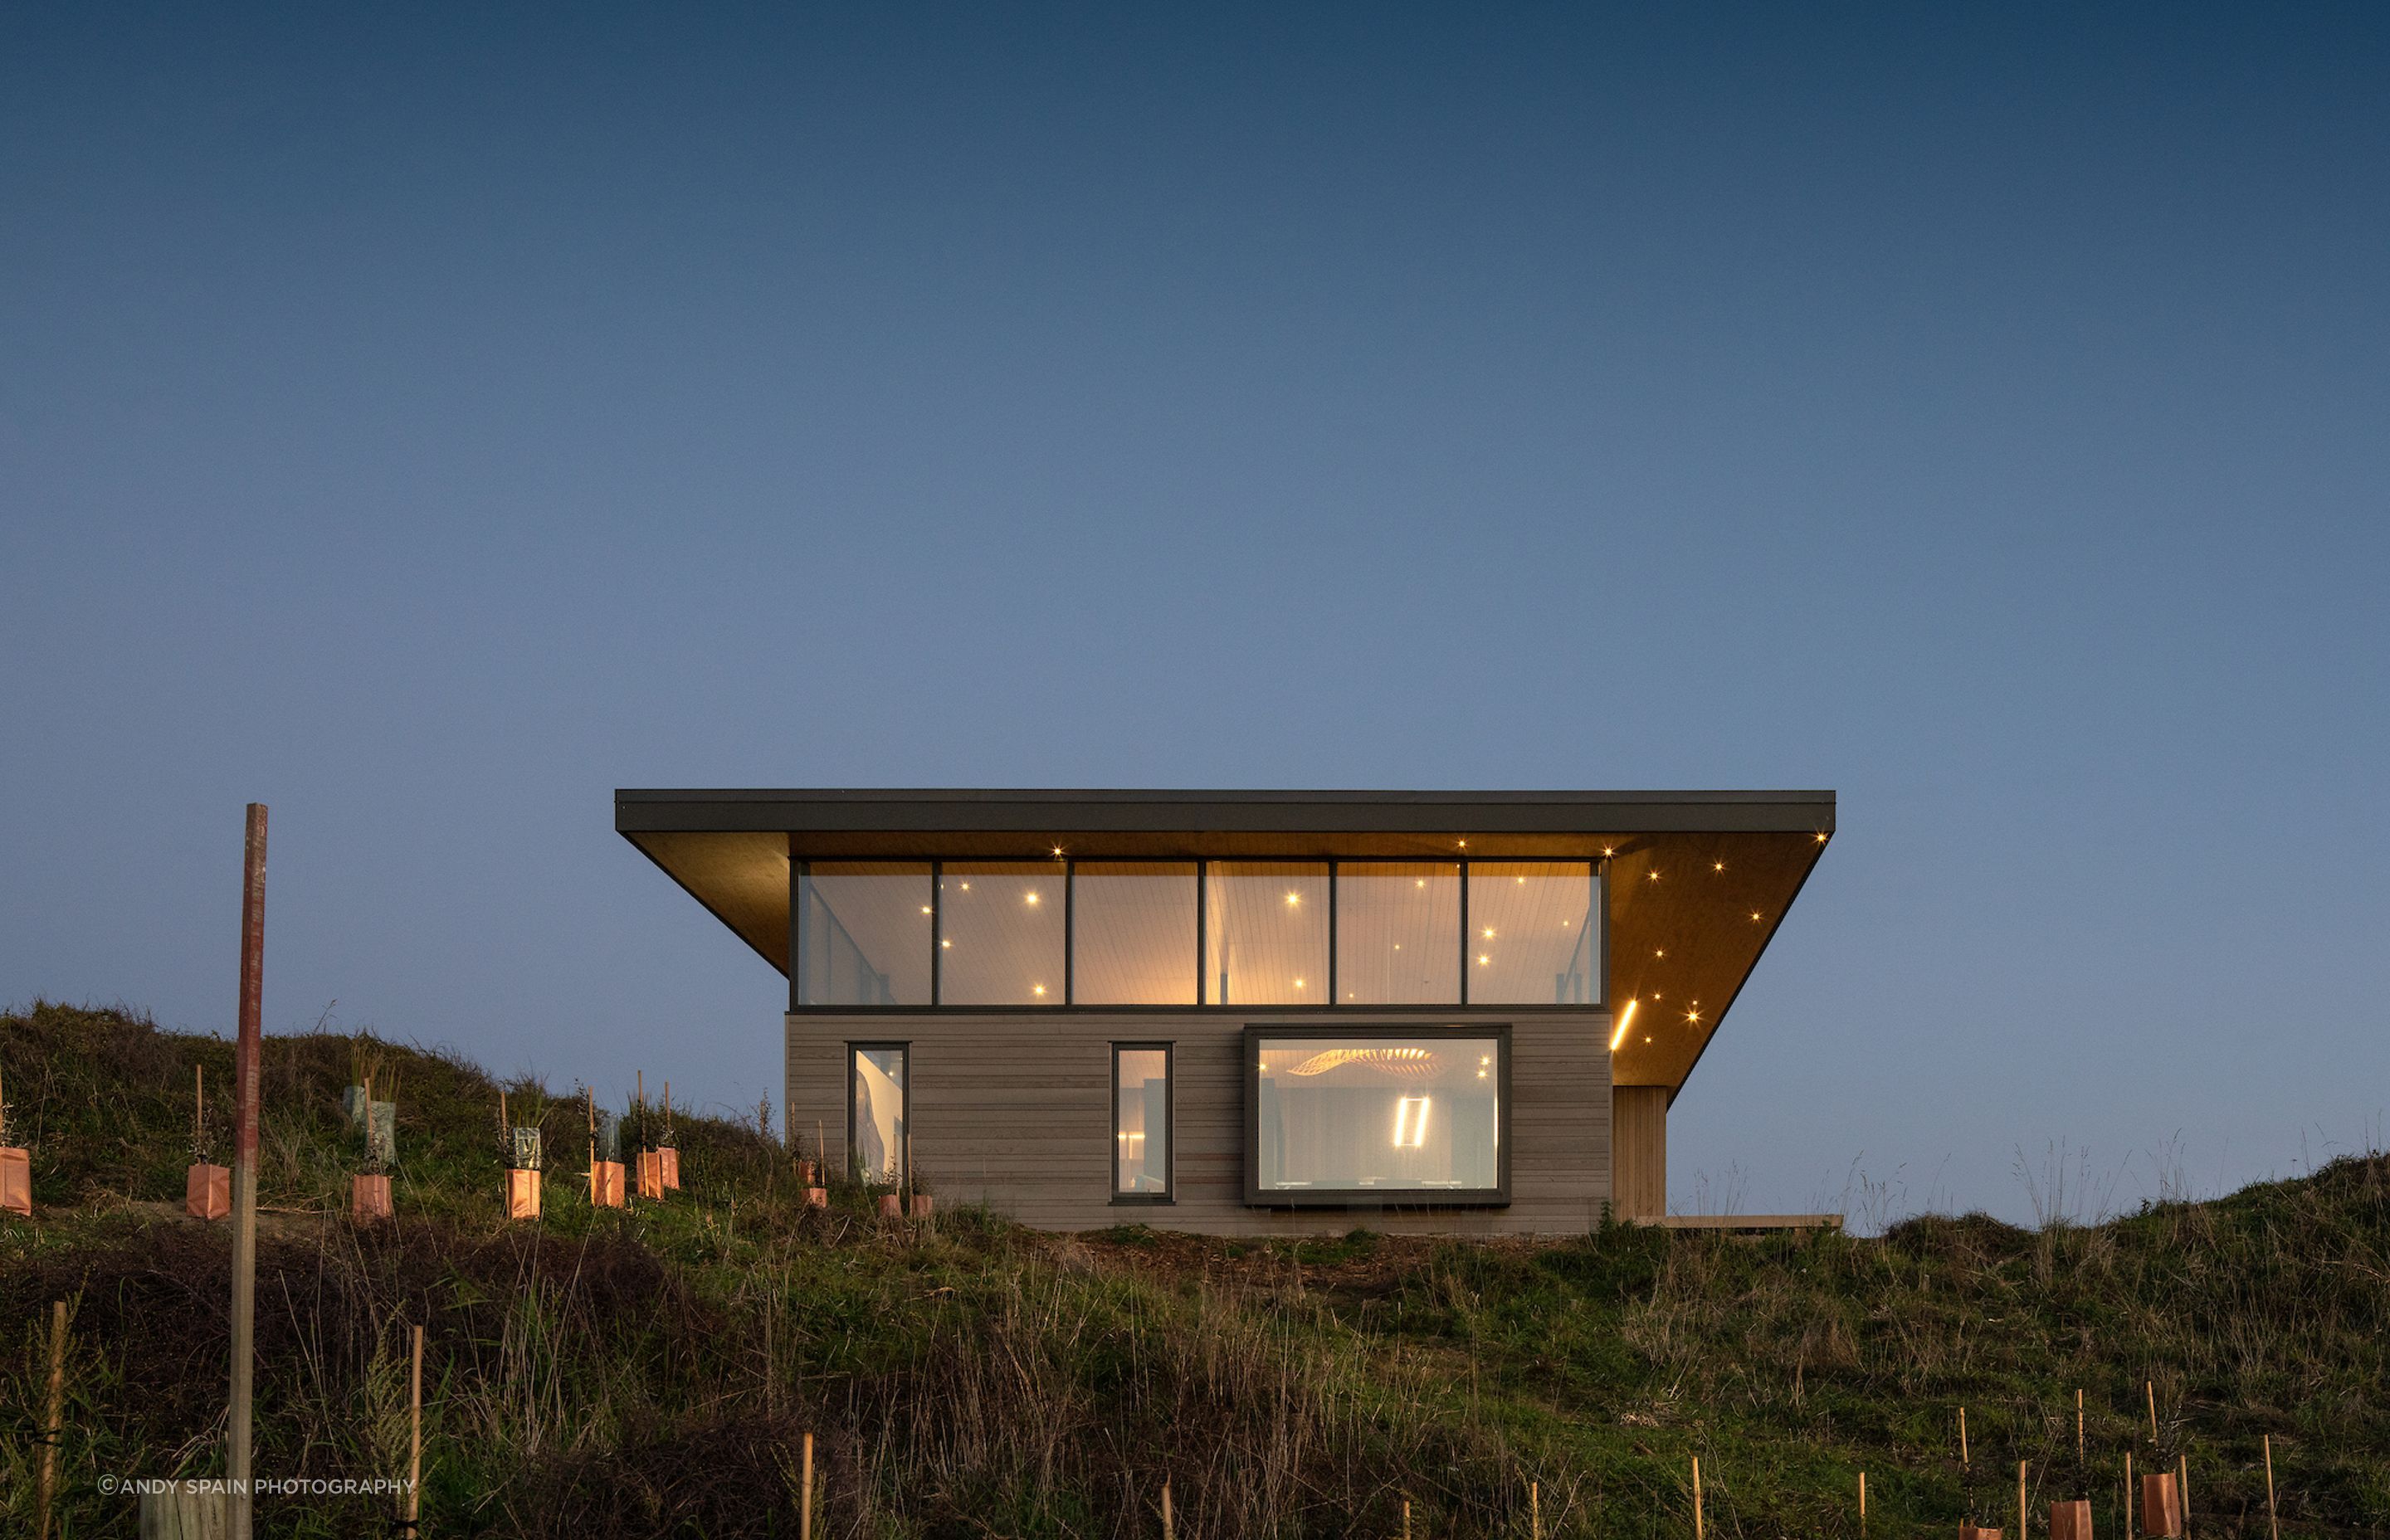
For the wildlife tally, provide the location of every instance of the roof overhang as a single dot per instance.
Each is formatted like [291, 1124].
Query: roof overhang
[1699, 880]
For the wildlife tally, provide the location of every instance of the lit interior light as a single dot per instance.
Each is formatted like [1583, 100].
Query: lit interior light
[1653, 876]
[925, 908]
[1398, 946]
[1521, 879]
[1821, 836]
[1294, 898]
[1298, 983]
[1033, 898]
[1656, 994]
[1483, 960]
[1464, 844]
[946, 943]
[966, 887]
[1646, 1038]
[1717, 865]
[1489, 932]
[1626, 1018]
[1037, 989]
[1057, 850]
[1607, 851]
[1411, 1133]
[1421, 883]
[1754, 913]
[1481, 1074]
[1485, 1058]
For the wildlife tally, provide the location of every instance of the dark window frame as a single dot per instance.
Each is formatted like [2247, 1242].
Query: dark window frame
[1256, 1197]
[1168, 1196]
[1598, 1005]
[904, 1113]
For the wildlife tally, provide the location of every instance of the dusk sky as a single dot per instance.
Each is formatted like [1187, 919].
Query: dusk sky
[427, 426]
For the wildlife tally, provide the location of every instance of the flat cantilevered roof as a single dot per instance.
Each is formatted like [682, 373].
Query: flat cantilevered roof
[1699, 880]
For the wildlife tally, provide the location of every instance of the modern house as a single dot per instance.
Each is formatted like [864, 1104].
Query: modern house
[1249, 1012]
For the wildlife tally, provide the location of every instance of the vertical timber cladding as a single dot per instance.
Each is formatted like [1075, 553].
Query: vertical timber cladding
[1639, 1164]
[1014, 1109]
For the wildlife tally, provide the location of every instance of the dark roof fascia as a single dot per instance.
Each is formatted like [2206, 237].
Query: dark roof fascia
[644, 811]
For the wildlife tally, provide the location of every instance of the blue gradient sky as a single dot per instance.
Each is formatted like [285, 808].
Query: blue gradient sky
[425, 426]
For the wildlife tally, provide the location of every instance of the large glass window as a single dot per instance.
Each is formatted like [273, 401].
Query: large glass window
[863, 933]
[1398, 933]
[1534, 936]
[1133, 933]
[1000, 932]
[1141, 1119]
[1265, 933]
[879, 1149]
[1343, 1114]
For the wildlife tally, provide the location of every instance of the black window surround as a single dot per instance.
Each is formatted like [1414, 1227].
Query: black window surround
[1598, 1005]
[1498, 1196]
[903, 1157]
[1169, 1193]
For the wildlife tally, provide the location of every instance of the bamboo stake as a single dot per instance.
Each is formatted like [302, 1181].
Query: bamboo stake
[2078, 1425]
[2151, 1386]
[1169, 1528]
[51, 1429]
[2183, 1488]
[2021, 1531]
[1697, 1498]
[1862, 1502]
[199, 1106]
[1407, 1519]
[2272, 1520]
[1535, 1512]
[415, 1443]
[805, 1499]
[2128, 1526]
[1963, 1462]
[590, 1095]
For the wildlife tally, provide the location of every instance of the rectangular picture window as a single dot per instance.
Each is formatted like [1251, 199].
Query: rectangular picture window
[863, 933]
[1141, 1114]
[1000, 932]
[1535, 934]
[1265, 933]
[1398, 933]
[878, 1112]
[1133, 933]
[1350, 1117]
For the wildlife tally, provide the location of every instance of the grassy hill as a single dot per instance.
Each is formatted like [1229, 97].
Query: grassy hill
[649, 1372]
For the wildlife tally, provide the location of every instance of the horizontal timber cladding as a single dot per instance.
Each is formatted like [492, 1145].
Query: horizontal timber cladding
[1014, 1109]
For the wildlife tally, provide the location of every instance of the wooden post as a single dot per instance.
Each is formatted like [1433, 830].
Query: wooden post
[1169, 1525]
[1697, 1498]
[1862, 1502]
[1535, 1512]
[52, 1422]
[415, 1443]
[2021, 1529]
[2125, 1530]
[2273, 1521]
[806, 1498]
[248, 1050]
[2151, 1386]
[2183, 1488]
[1963, 1462]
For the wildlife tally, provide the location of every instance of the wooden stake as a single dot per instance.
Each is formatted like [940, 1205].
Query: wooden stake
[806, 1498]
[2151, 1386]
[1863, 1502]
[2078, 1425]
[2183, 1488]
[2021, 1533]
[247, 1057]
[2126, 1528]
[1535, 1512]
[2272, 1521]
[415, 1441]
[52, 1427]
[1963, 1462]
[1407, 1519]
[1169, 1527]
[1697, 1498]
[199, 1106]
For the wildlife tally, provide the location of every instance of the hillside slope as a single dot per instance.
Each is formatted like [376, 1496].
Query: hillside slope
[649, 1372]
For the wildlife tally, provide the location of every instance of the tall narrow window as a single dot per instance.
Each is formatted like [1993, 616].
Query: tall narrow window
[1141, 1121]
[1265, 933]
[1000, 930]
[1133, 933]
[1535, 934]
[878, 1112]
[863, 933]
[1397, 933]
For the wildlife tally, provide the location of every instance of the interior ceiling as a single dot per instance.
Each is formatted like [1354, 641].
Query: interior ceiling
[1689, 912]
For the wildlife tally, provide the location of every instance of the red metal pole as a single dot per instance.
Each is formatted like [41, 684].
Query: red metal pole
[247, 1052]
